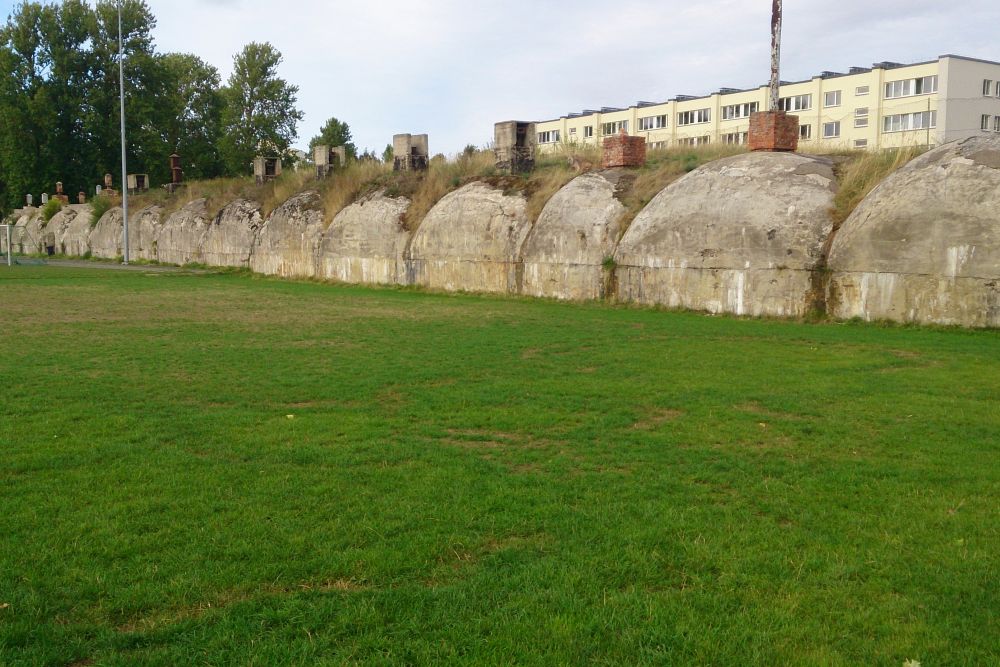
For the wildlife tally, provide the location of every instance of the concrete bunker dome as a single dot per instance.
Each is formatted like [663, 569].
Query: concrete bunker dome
[740, 235]
[924, 246]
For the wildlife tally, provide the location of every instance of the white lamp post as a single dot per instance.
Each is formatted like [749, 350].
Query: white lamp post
[121, 84]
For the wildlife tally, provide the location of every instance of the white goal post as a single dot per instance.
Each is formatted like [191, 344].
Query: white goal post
[5, 244]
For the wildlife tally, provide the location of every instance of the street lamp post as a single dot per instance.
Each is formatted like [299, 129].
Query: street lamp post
[121, 84]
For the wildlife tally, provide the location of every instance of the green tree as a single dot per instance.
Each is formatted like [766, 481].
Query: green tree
[260, 114]
[335, 133]
[388, 155]
[194, 126]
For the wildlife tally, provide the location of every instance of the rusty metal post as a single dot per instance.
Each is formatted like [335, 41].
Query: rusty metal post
[775, 54]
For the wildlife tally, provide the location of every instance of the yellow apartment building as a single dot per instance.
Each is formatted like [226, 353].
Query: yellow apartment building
[885, 106]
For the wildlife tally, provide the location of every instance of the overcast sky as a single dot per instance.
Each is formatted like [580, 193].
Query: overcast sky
[451, 68]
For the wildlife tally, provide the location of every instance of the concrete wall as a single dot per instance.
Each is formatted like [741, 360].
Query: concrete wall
[747, 235]
[924, 246]
[740, 235]
[231, 236]
[470, 241]
[106, 238]
[366, 243]
[576, 231]
[181, 237]
[288, 243]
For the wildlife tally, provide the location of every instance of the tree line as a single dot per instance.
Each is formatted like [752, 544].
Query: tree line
[59, 104]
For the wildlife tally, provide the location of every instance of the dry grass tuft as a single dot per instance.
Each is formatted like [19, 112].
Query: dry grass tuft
[861, 172]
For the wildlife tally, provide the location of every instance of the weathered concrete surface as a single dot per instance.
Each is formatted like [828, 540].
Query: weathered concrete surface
[231, 236]
[182, 234]
[289, 241]
[366, 243]
[106, 238]
[740, 235]
[53, 231]
[924, 246]
[75, 240]
[20, 230]
[143, 233]
[32, 235]
[470, 241]
[576, 231]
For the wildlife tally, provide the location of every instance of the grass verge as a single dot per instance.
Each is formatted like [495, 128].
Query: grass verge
[519, 482]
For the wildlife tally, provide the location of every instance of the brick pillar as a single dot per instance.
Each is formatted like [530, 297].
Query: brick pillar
[624, 151]
[773, 131]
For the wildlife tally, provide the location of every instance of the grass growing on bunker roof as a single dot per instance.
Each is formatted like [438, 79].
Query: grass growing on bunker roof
[231, 470]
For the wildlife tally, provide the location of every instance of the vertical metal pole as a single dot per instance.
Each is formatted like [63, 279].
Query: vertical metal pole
[775, 54]
[121, 84]
[10, 247]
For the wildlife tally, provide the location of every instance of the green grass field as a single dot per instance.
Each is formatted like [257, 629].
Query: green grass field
[220, 469]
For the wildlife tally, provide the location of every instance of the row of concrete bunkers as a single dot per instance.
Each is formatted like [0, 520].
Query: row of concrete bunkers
[746, 235]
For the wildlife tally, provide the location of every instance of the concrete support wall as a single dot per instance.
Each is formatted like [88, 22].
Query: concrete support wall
[289, 241]
[742, 235]
[924, 246]
[576, 232]
[471, 241]
[748, 235]
[366, 243]
[182, 235]
[231, 236]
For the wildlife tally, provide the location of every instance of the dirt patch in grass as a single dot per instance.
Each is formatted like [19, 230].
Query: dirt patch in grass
[757, 409]
[166, 618]
[656, 418]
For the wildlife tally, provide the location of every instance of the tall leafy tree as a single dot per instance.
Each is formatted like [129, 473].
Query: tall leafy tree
[335, 133]
[260, 114]
[193, 128]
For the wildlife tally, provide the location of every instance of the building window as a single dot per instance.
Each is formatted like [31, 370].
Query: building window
[652, 123]
[588, 131]
[805, 132]
[861, 117]
[615, 127]
[861, 143]
[831, 99]
[572, 131]
[922, 120]
[694, 117]
[984, 124]
[831, 130]
[656, 145]
[734, 111]
[909, 87]
[996, 123]
[987, 87]
[734, 138]
[694, 141]
[861, 90]
[998, 88]
[550, 137]
[796, 103]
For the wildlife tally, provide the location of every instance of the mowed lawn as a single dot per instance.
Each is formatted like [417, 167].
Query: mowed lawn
[220, 469]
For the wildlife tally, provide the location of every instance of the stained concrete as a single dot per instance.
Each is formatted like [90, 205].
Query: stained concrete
[741, 235]
[470, 241]
[289, 241]
[75, 239]
[924, 246]
[182, 234]
[576, 232]
[232, 235]
[106, 237]
[143, 233]
[366, 242]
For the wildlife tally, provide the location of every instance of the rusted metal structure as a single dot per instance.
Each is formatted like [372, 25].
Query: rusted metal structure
[775, 54]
